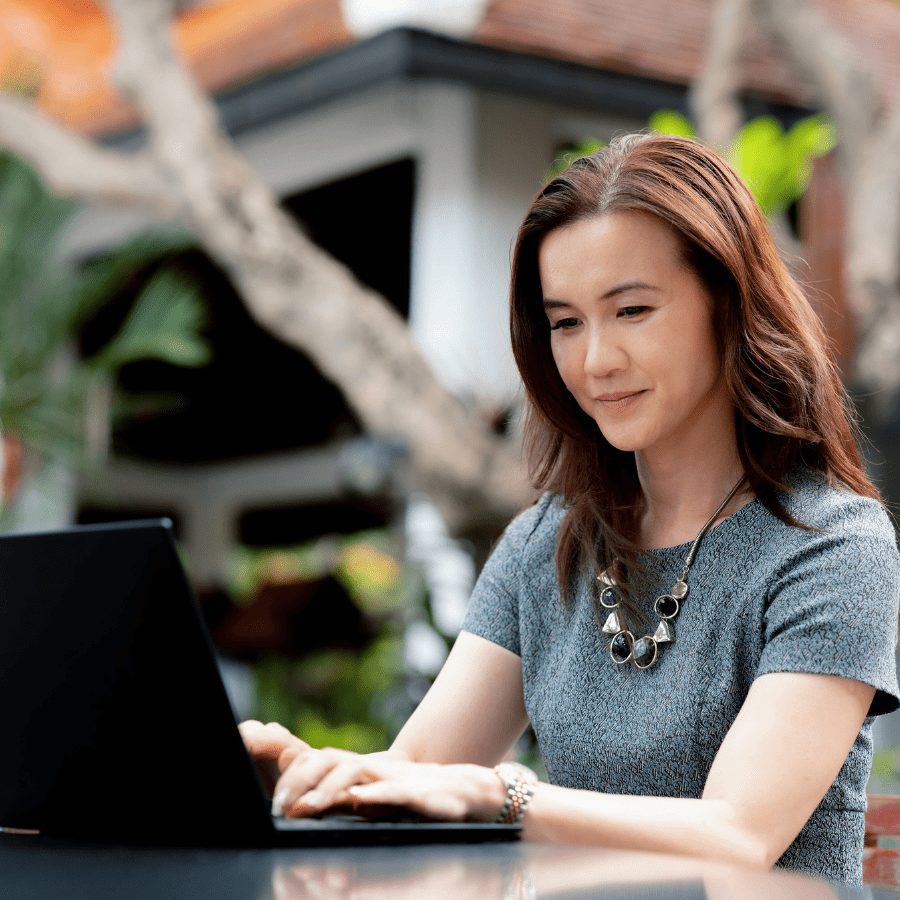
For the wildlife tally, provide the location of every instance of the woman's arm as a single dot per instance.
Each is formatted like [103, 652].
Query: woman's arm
[472, 713]
[777, 761]
[780, 756]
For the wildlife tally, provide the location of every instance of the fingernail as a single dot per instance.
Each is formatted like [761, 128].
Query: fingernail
[278, 802]
[311, 799]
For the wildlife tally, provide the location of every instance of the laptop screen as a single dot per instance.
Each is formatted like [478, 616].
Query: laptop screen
[116, 725]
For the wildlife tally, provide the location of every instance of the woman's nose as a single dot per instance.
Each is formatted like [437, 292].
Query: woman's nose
[603, 354]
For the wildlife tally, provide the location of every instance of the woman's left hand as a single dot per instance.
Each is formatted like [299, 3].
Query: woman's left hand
[336, 780]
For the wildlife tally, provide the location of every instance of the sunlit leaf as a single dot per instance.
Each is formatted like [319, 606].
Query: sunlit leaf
[776, 165]
[668, 121]
[164, 324]
[567, 157]
[758, 156]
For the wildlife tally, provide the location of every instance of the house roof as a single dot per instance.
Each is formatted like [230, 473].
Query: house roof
[62, 48]
[69, 44]
[665, 40]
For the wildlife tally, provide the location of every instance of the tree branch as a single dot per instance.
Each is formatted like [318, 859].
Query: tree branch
[304, 296]
[713, 96]
[713, 99]
[846, 87]
[73, 166]
[868, 137]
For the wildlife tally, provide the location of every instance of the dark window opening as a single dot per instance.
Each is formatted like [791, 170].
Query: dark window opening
[259, 395]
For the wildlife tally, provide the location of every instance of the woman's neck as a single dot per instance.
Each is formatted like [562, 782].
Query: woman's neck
[684, 486]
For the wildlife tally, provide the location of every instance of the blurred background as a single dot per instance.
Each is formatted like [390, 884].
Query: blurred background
[293, 427]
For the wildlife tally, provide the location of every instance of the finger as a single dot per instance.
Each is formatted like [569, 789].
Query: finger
[276, 729]
[332, 787]
[304, 773]
[290, 753]
[255, 734]
[270, 740]
[420, 798]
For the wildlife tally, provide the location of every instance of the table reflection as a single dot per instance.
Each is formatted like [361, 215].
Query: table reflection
[41, 867]
[529, 871]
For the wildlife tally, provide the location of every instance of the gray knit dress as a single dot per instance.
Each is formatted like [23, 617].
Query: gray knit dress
[764, 597]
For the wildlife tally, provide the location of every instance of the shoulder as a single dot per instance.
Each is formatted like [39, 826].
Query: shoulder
[542, 517]
[846, 532]
[834, 510]
[535, 528]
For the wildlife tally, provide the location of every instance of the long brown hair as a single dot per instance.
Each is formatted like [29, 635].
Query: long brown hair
[790, 404]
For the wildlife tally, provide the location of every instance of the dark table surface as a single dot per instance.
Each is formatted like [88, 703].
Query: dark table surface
[32, 867]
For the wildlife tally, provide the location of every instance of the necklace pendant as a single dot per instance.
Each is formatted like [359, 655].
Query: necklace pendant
[612, 624]
[680, 589]
[609, 597]
[620, 647]
[665, 633]
[605, 579]
[666, 607]
[644, 652]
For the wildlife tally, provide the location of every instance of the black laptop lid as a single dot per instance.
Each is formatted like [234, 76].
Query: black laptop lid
[115, 724]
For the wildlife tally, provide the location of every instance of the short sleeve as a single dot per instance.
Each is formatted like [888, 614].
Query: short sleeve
[832, 609]
[493, 611]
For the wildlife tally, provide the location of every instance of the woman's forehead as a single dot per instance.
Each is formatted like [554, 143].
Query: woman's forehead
[611, 246]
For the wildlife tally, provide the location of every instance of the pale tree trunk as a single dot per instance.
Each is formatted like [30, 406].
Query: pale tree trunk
[868, 126]
[713, 97]
[714, 102]
[868, 129]
[291, 287]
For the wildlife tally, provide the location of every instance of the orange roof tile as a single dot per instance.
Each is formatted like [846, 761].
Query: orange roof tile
[70, 44]
[666, 41]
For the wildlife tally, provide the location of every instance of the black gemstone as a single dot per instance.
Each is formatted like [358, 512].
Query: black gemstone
[644, 652]
[609, 597]
[666, 606]
[620, 648]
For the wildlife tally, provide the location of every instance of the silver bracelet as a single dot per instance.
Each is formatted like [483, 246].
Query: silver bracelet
[520, 782]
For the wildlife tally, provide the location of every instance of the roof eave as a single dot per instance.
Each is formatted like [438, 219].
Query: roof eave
[410, 53]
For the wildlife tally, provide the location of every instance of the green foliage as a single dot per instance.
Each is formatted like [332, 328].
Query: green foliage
[336, 697]
[567, 157]
[775, 164]
[164, 324]
[668, 121]
[884, 762]
[365, 564]
[45, 302]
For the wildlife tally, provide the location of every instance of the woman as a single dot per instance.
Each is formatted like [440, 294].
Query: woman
[699, 616]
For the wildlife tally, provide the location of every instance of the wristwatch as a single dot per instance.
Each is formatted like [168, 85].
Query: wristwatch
[520, 782]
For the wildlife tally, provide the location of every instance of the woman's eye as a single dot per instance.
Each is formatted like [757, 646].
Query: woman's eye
[630, 312]
[563, 324]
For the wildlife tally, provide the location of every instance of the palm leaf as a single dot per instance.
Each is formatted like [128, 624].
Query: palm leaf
[99, 280]
[45, 301]
[164, 324]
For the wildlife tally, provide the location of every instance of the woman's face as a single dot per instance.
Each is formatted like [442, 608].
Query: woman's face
[632, 331]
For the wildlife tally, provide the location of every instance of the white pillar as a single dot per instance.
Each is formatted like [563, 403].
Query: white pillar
[459, 278]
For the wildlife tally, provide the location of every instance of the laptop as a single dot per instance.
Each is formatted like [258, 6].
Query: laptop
[116, 726]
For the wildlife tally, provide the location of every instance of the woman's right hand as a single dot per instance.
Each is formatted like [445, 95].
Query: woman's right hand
[272, 747]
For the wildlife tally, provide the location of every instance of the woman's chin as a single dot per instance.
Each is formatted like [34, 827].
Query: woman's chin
[627, 443]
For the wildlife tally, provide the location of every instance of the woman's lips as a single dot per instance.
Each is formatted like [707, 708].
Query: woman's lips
[619, 399]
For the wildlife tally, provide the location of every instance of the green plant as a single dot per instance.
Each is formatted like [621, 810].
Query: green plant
[565, 159]
[355, 699]
[774, 162]
[46, 389]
